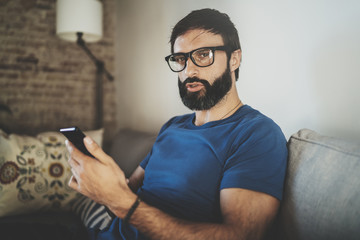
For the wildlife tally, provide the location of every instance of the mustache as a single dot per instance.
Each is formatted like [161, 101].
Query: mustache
[194, 79]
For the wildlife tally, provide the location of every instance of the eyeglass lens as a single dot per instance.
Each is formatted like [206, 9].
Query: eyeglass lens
[202, 57]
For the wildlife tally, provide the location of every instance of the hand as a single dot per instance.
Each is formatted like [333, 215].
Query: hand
[99, 178]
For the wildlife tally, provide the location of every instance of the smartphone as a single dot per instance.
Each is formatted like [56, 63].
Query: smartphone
[76, 137]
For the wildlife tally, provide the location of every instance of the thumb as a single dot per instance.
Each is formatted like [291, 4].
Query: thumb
[95, 150]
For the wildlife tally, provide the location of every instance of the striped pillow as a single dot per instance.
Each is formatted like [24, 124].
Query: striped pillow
[92, 214]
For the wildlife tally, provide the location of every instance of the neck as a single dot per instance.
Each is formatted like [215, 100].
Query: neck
[224, 109]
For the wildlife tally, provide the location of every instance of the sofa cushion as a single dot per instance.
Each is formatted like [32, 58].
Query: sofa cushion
[322, 189]
[34, 172]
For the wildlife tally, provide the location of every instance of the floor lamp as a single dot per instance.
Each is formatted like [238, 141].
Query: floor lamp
[80, 21]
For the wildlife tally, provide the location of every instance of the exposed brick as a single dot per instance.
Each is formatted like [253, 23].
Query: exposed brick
[54, 69]
[49, 83]
[15, 67]
[8, 76]
[27, 59]
[27, 4]
[10, 50]
[44, 6]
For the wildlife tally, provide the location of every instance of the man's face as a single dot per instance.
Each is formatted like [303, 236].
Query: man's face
[201, 88]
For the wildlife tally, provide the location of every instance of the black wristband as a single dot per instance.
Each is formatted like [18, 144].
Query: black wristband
[132, 210]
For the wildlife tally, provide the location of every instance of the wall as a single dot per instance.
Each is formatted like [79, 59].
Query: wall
[49, 83]
[300, 62]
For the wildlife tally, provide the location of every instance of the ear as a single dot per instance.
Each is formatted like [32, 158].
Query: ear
[235, 60]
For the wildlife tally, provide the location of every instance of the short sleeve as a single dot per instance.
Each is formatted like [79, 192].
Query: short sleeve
[258, 162]
[144, 162]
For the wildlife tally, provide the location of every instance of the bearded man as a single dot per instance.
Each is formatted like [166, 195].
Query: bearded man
[216, 173]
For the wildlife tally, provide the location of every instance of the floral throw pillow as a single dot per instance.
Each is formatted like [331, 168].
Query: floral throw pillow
[34, 173]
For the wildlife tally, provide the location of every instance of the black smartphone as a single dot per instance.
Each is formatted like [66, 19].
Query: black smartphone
[76, 137]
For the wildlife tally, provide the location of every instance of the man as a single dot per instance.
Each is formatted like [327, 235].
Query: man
[215, 174]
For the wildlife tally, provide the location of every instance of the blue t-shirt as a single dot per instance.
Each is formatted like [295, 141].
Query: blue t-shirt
[189, 165]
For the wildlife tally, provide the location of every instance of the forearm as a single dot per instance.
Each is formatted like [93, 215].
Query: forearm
[159, 225]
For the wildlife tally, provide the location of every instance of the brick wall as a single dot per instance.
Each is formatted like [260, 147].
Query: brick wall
[49, 83]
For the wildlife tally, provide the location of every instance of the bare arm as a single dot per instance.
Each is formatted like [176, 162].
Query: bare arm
[246, 214]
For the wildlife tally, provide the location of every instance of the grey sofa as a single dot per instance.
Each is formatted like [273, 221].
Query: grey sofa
[321, 194]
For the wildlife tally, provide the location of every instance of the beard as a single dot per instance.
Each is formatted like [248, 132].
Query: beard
[207, 97]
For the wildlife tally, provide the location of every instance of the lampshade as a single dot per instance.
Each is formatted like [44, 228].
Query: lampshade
[74, 16]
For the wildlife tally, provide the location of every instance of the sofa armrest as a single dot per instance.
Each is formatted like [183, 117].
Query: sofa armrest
[322, 189]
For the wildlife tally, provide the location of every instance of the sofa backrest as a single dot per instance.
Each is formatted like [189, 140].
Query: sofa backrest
[322, 189]
[130, 147]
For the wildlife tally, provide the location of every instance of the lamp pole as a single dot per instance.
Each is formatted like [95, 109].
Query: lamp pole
[100, 71]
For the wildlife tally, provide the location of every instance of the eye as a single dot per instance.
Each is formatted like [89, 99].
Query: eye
[178, 58]
[203, 53]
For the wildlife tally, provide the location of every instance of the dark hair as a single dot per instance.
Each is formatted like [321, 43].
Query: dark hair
[213, 21]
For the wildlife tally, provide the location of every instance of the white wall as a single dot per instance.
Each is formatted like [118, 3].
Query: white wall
[301, 61]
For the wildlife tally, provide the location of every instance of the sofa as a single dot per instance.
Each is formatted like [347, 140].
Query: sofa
[321, 194]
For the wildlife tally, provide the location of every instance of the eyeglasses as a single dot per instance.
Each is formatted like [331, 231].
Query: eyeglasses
[201, 57]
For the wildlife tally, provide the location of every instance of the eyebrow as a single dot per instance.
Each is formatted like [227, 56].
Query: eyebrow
[211, 46]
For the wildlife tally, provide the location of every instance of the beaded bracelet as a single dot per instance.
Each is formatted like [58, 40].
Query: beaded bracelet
[132, 210]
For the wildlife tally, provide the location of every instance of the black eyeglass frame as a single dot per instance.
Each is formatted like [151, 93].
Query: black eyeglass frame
[189, 55]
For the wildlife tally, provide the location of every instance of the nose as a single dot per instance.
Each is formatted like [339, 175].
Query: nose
[191, 69]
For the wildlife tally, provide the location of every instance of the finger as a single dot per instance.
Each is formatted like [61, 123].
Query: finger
[75, 174]
[95, 150]
[69, 146]
[75, 153]
[73, 183]
[72, 162]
